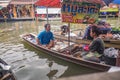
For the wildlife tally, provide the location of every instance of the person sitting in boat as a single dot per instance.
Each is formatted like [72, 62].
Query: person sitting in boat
[46, 37]
[87, 33]
[104, 27]
[96, 47]
[64, 29]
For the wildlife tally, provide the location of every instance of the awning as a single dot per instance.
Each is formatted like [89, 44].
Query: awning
[49, 3]
[5, 1]
[4, 4]
[19, 2]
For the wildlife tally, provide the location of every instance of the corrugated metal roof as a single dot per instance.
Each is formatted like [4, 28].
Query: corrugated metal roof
[4, 3]
[23, 1]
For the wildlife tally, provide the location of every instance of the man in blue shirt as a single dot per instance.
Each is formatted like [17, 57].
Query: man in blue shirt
[46, 37]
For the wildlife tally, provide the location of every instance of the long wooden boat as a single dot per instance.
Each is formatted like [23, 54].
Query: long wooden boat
[78, 39]
[108, 43]
[30, 39]
[5, 72]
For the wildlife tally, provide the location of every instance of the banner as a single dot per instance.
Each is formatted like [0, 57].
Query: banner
[74, 11]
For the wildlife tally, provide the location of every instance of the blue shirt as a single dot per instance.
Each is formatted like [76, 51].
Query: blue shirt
[45, 37]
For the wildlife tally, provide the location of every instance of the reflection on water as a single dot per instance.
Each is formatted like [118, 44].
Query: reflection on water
[29, 63]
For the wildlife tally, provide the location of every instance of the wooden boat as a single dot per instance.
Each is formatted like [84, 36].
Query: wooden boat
[31, 40]
[108, 43]
[78, 39]
[5, 72]
[106, 40]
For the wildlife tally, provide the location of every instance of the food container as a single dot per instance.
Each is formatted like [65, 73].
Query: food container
[110, 60]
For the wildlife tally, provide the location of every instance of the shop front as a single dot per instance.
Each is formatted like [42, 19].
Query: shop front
[22, 9]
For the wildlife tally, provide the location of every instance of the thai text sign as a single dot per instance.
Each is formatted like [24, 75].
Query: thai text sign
[79, 12]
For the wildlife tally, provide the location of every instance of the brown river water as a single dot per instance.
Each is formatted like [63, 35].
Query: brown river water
[28, 63]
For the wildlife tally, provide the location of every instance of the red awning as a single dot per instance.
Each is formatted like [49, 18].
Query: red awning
[49, 3]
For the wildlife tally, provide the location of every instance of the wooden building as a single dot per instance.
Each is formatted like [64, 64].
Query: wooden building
[22, 8]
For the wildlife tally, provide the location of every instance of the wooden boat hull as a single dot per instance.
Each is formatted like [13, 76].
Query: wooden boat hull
[70, 58]
[78, 41]
[7, 74]
[108, 41]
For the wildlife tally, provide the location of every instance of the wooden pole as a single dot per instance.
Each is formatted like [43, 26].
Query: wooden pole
[69, 37]
[118, 15]
[47, 14]
[33, 11]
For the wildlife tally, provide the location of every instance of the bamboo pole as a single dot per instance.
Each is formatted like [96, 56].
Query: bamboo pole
[47, 14]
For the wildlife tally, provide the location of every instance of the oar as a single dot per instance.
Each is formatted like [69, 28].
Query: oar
[5, 76]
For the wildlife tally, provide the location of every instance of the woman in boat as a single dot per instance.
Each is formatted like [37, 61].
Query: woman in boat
[96, 47]
[46, 37]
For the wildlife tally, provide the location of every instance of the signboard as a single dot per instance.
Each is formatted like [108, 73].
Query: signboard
[74, 11]
[50, 11]
[109, 10]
